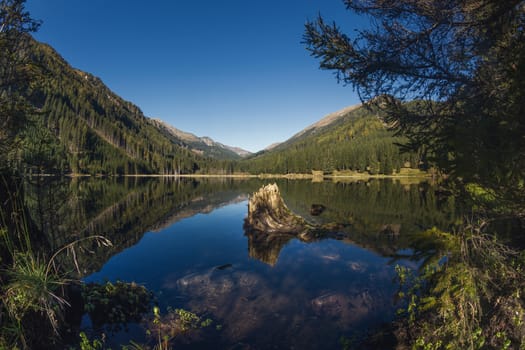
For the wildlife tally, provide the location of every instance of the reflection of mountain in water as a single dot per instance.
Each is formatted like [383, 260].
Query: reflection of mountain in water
[199, 205]
[379, 215]
[122, 210]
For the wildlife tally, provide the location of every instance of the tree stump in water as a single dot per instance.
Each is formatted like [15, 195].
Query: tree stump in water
[270, 225]
[268, 213]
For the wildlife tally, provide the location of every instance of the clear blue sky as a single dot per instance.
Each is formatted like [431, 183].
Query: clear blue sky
[233, 70]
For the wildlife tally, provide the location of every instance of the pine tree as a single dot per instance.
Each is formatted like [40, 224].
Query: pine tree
[15, 74]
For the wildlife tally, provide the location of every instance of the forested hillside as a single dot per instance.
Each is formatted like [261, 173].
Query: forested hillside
[354, 139]
[83, 127]
[80, 126]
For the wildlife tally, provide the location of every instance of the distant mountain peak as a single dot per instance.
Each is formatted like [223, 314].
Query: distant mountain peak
[272, 146]
[329, 119]
[201, 145]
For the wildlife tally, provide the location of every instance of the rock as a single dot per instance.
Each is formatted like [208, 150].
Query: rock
[391, 229]
[224, 267]
[317, 209]
[330, 303]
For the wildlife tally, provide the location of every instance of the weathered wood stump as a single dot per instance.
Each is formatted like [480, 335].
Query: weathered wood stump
[270, 225]
[268, 213]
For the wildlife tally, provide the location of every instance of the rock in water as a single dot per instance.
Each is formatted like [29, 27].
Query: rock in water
[317, 209]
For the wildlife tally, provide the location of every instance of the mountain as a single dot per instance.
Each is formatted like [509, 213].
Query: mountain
[272, 146]
[328, 120]
[352, 139]
[201, 145]
[82, 127]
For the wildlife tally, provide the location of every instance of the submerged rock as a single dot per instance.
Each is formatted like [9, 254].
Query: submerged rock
[224, 267]
[213, 283]
[317, 209]
[330, 303]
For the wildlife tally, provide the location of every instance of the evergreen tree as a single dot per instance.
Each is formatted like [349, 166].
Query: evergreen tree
[15, 74]
[462, 62]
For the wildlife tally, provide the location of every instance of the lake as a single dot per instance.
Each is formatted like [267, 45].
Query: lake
[184, 239]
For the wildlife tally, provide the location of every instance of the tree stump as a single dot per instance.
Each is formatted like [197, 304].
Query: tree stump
[268, 213]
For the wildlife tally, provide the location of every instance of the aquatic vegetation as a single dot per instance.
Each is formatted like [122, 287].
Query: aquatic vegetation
[86, 344]
[179, 321]
[115, 303]
[175, 323]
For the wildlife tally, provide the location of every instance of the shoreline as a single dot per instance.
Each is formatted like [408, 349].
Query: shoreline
[251, 176]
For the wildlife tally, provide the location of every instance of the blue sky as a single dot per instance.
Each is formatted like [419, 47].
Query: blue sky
[233, 70]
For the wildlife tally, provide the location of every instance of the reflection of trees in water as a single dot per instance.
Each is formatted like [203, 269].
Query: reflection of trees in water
[450, 261]
[381, 216]
[121, 209]
[370, 204]
[124, 208]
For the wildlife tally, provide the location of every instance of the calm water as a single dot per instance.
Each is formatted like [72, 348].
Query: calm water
[184, 240]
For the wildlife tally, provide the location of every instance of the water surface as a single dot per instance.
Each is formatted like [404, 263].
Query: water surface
[184, 240]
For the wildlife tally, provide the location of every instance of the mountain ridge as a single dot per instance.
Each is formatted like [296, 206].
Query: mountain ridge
[201, 144]
[81, 126]
[353, 139]
[326, 120]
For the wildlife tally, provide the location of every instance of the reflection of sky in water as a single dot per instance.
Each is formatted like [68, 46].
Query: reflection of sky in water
[314, 293]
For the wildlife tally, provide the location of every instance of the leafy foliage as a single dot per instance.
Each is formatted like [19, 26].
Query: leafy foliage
[460, 65]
